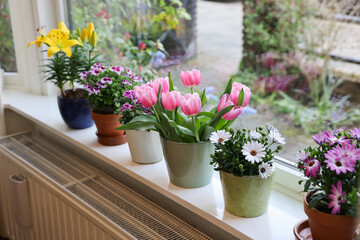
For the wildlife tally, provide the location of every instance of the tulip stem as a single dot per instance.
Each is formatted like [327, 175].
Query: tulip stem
[156, 115]
[196, 132]
[192, 90]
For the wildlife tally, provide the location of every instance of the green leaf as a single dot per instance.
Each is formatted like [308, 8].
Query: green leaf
[228, 124]
[207, 114]
[179, 119]
[182, 129]
[203, 98]
[220, 124]
[316, 200]
[171, 84]
[197, 123]
[219, 115]
[229, 86]
[241, 97]
[206, 133]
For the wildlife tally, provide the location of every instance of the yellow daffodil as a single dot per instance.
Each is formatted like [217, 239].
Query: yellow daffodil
[58, 40]
[83, 35]
[90, 30]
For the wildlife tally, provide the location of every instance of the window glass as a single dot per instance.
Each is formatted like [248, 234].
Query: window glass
[7, 52]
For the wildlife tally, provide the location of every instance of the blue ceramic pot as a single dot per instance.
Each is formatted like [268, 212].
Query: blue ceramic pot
[75, 112]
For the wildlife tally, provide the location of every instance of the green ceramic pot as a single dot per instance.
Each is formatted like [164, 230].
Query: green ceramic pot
[246, 196]
[188, 164]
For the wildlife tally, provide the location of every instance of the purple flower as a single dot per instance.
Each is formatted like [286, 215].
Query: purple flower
[137, 79]
[127, 82]
[331, 139]
[123, 109]
[311, 167]
[102, 68]
[106, 80]
[95, 72]
[96, 90]
[113, 69]
[129, 94]
[83, 75]
[349, 150]
[320, 138]
[101, 85]
[88, 86]
[355, 133]
[336, 197]
[335, 132]
[301, 156]
[338, 162]
[128, 71]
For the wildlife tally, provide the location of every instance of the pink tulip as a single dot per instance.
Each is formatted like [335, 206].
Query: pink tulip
[146, 95]
[164, 82]
[233, 113]
[190, 104]
[236, 89]
[190, 79]
[170, 100]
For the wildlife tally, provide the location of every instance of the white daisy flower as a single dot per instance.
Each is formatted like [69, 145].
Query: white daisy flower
[253, 152]
[255, 135]
[220, 136]
[265, 170]
[271, 127]
[276, 137]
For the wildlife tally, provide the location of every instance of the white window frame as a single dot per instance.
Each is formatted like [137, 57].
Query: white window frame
[27, 17]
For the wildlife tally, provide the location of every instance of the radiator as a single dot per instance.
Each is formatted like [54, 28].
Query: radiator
[69, 199]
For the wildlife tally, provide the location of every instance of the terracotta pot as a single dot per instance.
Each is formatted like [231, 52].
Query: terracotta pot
[328, 226]
[106, 125]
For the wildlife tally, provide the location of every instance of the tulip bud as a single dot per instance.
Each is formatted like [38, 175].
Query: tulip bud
[190, 79]
[190, 104]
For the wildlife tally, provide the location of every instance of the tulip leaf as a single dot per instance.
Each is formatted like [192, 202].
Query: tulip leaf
[182, 129]
[179, 119]
[220, 114]
[171, 83]
[207, 114]
[229, 86]
[203, 98]
[220, 124]
[241, 98]
[144, 118]
[228, 124]
[166, 123]
[197, 124]
[206, 133]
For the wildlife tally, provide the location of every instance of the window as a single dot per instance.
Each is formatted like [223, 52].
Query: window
[7, 51]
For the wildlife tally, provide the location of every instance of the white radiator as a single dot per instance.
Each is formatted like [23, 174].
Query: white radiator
[69, 199]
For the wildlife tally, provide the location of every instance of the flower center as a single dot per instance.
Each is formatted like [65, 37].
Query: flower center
[311, 163]
[262, 170]
[220, 140]
[253, 152]
[338, 164]
[339, 198]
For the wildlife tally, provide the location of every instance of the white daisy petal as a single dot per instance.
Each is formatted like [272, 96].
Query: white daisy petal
[271, 127]
[265, 170]
[220, 136]
[276, 137]
[253, 152]
[255, 135]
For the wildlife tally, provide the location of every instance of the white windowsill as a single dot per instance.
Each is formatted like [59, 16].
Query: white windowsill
[277, 223]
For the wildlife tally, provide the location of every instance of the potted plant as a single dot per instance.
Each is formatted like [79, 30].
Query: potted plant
[332, 169]
[145, 146]
[183, 127]
[105, 87]
[245, 161]
[71, 54]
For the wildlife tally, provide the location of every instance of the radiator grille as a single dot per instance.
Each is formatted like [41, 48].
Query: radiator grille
[128, 210]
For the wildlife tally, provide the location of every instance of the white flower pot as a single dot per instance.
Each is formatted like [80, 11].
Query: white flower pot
[145, 147]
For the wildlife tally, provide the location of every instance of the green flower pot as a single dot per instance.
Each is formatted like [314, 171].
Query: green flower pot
[188, 164]
[246, 196]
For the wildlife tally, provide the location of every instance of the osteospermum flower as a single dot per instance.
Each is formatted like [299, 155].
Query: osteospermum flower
[265, 170]
[311, 166]
[255, 135]
[336, 197]
[349, 150]
[270, 127]
[331, 139]
[220, 137]
[320, 138]
[253, 152]
[276, 137]
[338, 162]
[355, 133]
[301, 156]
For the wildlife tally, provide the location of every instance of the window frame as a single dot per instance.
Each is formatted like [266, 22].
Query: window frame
[34, 13]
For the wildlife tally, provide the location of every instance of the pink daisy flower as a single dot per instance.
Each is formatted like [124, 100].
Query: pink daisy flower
[355, 133]
[338, 162]
[320, 138]
[331, 139]
[312, 167]
[336, 197]
[349, 150]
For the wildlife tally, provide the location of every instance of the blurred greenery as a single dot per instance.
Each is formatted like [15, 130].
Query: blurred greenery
[7, 52]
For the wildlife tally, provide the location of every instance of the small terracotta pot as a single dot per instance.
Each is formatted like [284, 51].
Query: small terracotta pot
[106, 125]
[328, 226]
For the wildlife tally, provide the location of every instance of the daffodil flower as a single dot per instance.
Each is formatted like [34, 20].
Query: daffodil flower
[58, 40]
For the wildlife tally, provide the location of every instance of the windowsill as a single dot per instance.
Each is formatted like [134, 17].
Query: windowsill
[277, 223]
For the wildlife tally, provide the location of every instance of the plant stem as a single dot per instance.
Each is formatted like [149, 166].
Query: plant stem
[156, 115]
[192, 90]
[196, 132]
